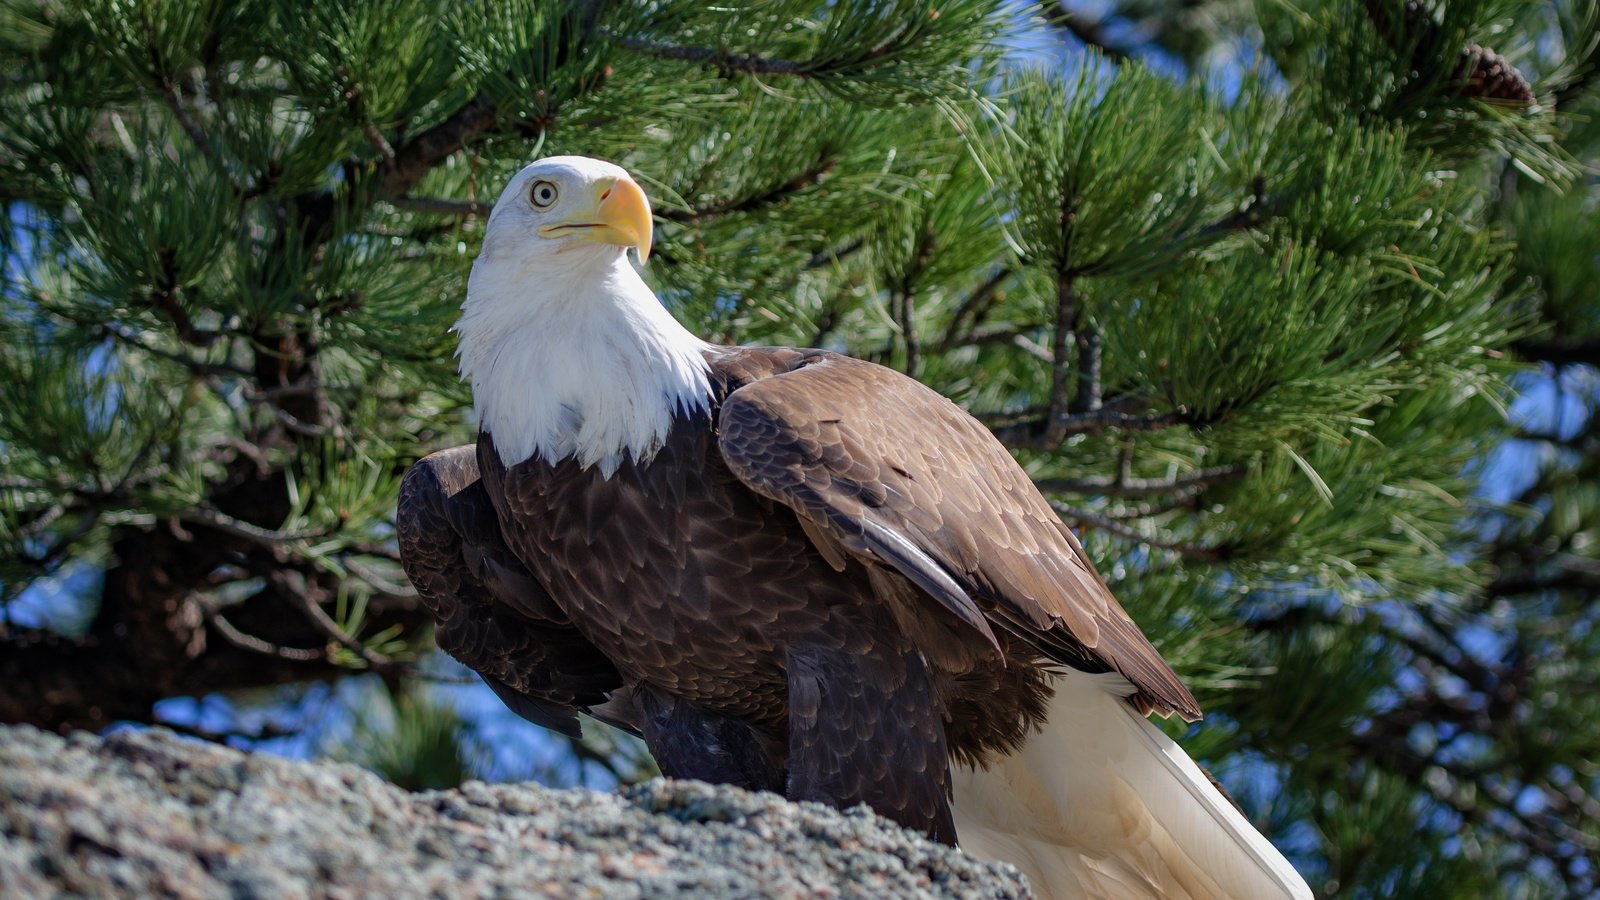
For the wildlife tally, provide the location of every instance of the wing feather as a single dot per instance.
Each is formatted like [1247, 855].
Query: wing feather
[492, 614]
[899, 475]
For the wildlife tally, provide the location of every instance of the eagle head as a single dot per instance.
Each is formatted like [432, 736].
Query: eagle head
[565, 204]
[569, 352]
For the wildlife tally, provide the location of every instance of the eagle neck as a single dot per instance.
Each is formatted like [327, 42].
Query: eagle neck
[577, 361]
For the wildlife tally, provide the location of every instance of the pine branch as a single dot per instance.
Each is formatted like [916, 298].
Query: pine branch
[368, 548]
[1255, 210]
[828, 317]
[812, 177]
[904, 306]
[1017, 335]
[1558, 353]
[724, 62]
[903, 297]
[299, 389]
[1066, 324]
[973, 308]
[1161, 506]
[1463, 788]
[441, 207]
[31, 528]
[731, 64]
[139, 652]
[1121, 485]
[1075, 515]
[1028, 429]
[212, 519]
[834, 255]
[1086, 339]
[254, 644]
[356, 101]
[198, 367]
[421, 154]
[44, 563]
[303, 428]
[167, 300]
[378, 582]
[306, 597]
[1091, 34]
[1581, 82]
[173, 98]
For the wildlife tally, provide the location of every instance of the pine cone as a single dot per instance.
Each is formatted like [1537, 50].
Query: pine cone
[1480, 72]
[1486, 74]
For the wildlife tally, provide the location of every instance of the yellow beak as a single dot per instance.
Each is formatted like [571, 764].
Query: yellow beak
[620, 216]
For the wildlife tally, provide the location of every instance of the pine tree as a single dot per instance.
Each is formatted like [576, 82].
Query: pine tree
[1252, 326]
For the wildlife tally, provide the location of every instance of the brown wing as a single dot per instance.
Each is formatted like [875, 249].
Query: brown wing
[492, 614]
[897, 474]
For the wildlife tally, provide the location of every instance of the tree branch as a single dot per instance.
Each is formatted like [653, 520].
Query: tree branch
[1121, 486]
[809, 178]
[378, 581]
[210, 518]
[1027, 429]
[904, 297]
[1060, 372]
[441, 207]
[1075, 515]
[174, 99]
[254, 644]
[835, 254]
[1086, 340]
[729, 64]
[421, 154]
[301, 596]
[973, 307]
[1559, 352]
[196, 366]
[60, 684]
[167, 300]
[723, 61]
[1090, 34]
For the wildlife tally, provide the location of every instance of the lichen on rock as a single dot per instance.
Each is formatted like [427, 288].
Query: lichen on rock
[143, 813]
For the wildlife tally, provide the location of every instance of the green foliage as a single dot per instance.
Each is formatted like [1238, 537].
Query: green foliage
[531, 59]
[873, 51]
[1104, 187]
[1383, 62]
[411, 740]
[1365, 820]
[363, 63]
[1557, 234]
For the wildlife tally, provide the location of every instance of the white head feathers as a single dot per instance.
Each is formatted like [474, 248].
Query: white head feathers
[569, 352]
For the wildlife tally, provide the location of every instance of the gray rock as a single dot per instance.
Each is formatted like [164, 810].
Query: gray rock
[145, 813]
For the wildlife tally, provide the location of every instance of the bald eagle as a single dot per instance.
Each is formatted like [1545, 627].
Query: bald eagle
[793, 571]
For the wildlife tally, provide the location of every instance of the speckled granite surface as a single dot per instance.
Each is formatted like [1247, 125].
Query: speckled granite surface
[148, 814]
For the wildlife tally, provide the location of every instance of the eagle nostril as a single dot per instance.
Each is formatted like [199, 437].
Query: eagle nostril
[605, 195]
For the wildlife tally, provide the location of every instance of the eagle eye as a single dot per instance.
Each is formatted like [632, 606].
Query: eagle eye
[542, 195]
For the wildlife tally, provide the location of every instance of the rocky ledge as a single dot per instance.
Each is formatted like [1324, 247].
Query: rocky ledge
[145, 813]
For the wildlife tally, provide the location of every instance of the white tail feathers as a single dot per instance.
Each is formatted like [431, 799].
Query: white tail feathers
[1102, 804]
